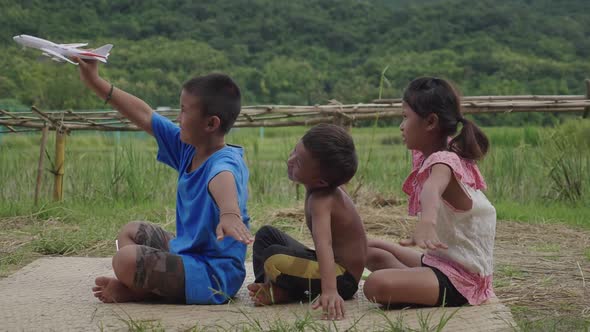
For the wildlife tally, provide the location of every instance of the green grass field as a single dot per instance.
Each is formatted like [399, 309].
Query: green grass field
[537, 175]
[533, 174]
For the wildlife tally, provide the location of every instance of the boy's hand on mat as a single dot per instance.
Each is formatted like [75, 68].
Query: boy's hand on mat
[332, 305]
[424, 237]
[232, 225]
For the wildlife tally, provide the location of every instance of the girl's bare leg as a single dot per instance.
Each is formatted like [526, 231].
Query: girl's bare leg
[383, 254]
[408, 286]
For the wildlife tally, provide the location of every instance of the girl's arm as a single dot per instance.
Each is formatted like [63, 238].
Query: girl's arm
[430, 199]
[434, 187]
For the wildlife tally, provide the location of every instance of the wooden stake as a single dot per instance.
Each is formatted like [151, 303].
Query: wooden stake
[587, 109]
[60, 153]
[343, 120]
[40, 165]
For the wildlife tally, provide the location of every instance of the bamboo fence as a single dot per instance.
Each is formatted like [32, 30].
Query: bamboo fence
[286, 115]
[63, 122]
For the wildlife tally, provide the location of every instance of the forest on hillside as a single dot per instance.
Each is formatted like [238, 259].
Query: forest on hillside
[300, 52]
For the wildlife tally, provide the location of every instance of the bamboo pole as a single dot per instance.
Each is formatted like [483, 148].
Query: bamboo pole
[492, 98]
[11, 129]
[17, 131]
[527, 105]
[587, 109]
[508, 109]
[525, 97]
[44, 132]
[293, 115]
[306, 121]
[60, 152]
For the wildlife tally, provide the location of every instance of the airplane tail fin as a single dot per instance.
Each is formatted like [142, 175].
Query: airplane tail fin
[103, 50]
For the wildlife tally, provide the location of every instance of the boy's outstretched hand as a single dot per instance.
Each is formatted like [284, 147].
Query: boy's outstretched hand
[224, 192]
[332, 305]
[231, 224]
[424, 237]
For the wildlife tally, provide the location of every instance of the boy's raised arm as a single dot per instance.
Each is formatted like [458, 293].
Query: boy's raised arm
[223, 189]
[330, 301]
[133, 108]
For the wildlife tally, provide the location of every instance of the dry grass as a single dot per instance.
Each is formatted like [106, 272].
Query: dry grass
[540, 267]
[543, 267]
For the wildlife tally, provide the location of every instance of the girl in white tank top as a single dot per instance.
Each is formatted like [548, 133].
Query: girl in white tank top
[457, 223]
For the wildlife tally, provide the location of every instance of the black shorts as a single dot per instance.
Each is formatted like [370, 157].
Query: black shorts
[448, 295]
[289, 264]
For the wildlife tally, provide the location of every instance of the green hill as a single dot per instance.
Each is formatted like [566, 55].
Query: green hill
[300, 52]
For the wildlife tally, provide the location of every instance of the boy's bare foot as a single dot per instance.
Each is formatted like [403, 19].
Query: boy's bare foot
[267, 294]
[110, 290]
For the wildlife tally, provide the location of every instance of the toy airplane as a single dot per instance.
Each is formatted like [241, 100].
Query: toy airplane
[62, 52]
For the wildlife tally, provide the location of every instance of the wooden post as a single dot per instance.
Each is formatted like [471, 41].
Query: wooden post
[587, 109]
[60, 154]
[40, 165]
[343, 120]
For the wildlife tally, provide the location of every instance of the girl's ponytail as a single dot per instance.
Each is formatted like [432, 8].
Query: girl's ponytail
[471, 143]
[426, 95]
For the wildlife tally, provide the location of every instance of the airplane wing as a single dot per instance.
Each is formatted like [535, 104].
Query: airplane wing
[57, 55]
[76, 45]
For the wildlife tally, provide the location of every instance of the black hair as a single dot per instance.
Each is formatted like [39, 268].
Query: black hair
[333, 148]
[426, 95]
[218, 95]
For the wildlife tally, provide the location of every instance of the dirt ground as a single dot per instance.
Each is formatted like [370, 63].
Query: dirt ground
[541, 270]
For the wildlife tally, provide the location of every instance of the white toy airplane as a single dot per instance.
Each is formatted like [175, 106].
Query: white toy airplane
[62, 52]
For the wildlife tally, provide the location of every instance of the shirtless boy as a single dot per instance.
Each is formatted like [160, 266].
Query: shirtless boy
[288, 271]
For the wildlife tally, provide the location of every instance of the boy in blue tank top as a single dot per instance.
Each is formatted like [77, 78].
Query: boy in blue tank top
[204, 262]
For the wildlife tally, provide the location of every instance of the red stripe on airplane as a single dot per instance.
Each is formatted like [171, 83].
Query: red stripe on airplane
[92, 54]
